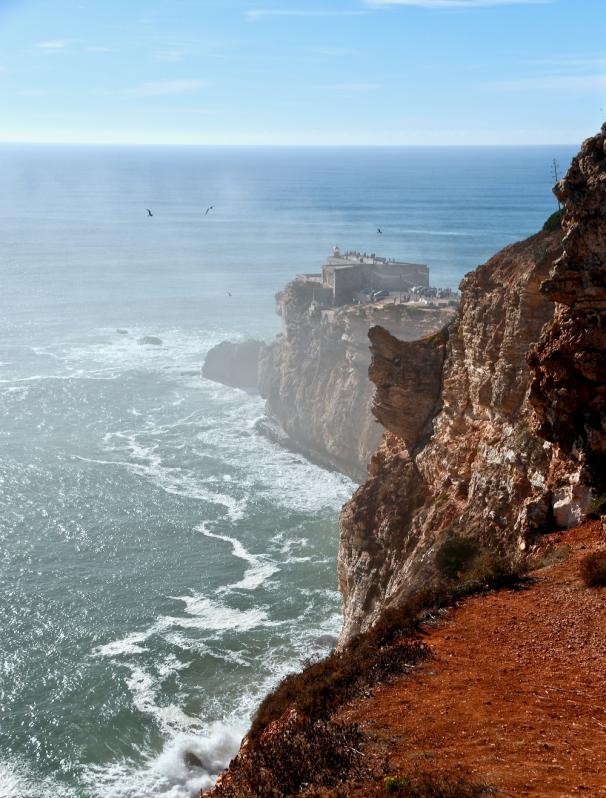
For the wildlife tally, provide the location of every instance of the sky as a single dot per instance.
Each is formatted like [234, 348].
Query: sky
[309, 72]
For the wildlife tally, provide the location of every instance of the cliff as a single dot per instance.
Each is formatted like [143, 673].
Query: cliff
[477, 444]
[568, 391]
[315, 376]
[494, 431]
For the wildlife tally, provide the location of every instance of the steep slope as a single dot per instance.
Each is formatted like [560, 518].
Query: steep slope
[461, 455]
[569, 363]
[515, 694]
[497, 459]
[495, 431]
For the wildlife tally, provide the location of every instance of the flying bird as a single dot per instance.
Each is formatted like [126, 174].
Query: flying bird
[229, 293]
[149, 213]
[379, 231]
[210, 208]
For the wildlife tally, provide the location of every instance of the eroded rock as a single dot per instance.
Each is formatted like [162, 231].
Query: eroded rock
[508, 450]
[235, 364]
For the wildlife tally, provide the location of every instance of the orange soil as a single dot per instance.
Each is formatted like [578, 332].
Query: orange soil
[516, 692]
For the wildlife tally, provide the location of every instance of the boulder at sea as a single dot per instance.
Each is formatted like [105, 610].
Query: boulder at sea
[122, 331]
[234, 364]
[193, 761]
[150, 340]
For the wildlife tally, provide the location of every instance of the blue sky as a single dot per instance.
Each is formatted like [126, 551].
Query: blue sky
[302, 72]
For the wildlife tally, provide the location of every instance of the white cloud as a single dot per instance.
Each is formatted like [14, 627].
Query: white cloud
[259, 13]
[52, 46]
[98, 50]
[454, 3]
[163, 87]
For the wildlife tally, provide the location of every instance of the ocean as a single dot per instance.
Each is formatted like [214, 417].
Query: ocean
[163, 565]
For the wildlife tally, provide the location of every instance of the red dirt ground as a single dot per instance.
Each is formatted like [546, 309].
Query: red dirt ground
[516, 692]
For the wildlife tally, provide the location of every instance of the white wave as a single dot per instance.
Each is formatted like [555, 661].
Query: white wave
[188, 764]
[174, 480]
[179, 350]
[42, 352]
[145, 688]
[17, 393]
[77, 375]
[19, 780]
[268, 470]
[212, 616]
[260, 567]
[127, 646]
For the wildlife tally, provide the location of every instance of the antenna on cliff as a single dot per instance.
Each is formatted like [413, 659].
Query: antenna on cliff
[556, 177]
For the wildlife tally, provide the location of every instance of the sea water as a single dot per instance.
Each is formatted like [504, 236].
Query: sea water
[162, 565]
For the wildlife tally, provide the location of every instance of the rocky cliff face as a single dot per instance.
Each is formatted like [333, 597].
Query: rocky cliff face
[478, 443]
[315, 376]
[461, 455]
[568, 390]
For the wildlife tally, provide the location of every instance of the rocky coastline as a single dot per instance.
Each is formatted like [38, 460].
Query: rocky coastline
[495, 433]
[314, 376]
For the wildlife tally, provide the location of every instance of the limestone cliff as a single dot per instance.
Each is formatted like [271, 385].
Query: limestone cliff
[568, 391]
[476, 443]
[315, 376]
[461, 454]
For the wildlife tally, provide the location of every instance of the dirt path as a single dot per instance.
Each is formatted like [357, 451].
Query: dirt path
[516, 693]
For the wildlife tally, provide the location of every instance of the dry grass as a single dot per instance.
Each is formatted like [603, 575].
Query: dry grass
[593, 569]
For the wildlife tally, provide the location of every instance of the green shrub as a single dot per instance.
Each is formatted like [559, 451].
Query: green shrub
[456, 555]
[494, 571]
[301, 754]
[593, 569]
[429, 785]
[554, 222]
[327, 684]
[598, 504]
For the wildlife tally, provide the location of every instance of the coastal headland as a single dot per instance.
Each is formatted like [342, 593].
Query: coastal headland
[314, 376]
[471, 659]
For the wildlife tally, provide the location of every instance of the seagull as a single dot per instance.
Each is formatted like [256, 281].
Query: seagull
[149, 213]
[229, 293]
[379, 231]
[210, 208]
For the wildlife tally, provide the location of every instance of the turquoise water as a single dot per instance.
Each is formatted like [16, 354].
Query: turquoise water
[162, 565]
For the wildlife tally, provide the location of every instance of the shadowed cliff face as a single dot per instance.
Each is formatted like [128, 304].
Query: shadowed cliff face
[569, 363]
[461, 454]
[406, 374]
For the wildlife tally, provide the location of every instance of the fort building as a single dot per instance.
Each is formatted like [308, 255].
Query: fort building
[348, 275]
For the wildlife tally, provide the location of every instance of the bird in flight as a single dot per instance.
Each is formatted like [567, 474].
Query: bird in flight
[149, 213]
[229, 293]
[379, 231]
[210, 208]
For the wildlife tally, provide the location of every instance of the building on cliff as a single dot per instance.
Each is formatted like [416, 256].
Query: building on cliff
[346, 275]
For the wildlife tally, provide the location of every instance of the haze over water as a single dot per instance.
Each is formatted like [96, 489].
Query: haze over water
[162, 564]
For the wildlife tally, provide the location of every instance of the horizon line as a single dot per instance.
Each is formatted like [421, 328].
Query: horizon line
[282, 145]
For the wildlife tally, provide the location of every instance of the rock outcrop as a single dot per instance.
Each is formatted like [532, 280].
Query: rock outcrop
[568, 391]
[461, 455]
[489, 447]
[315, 376]
[235, 364]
